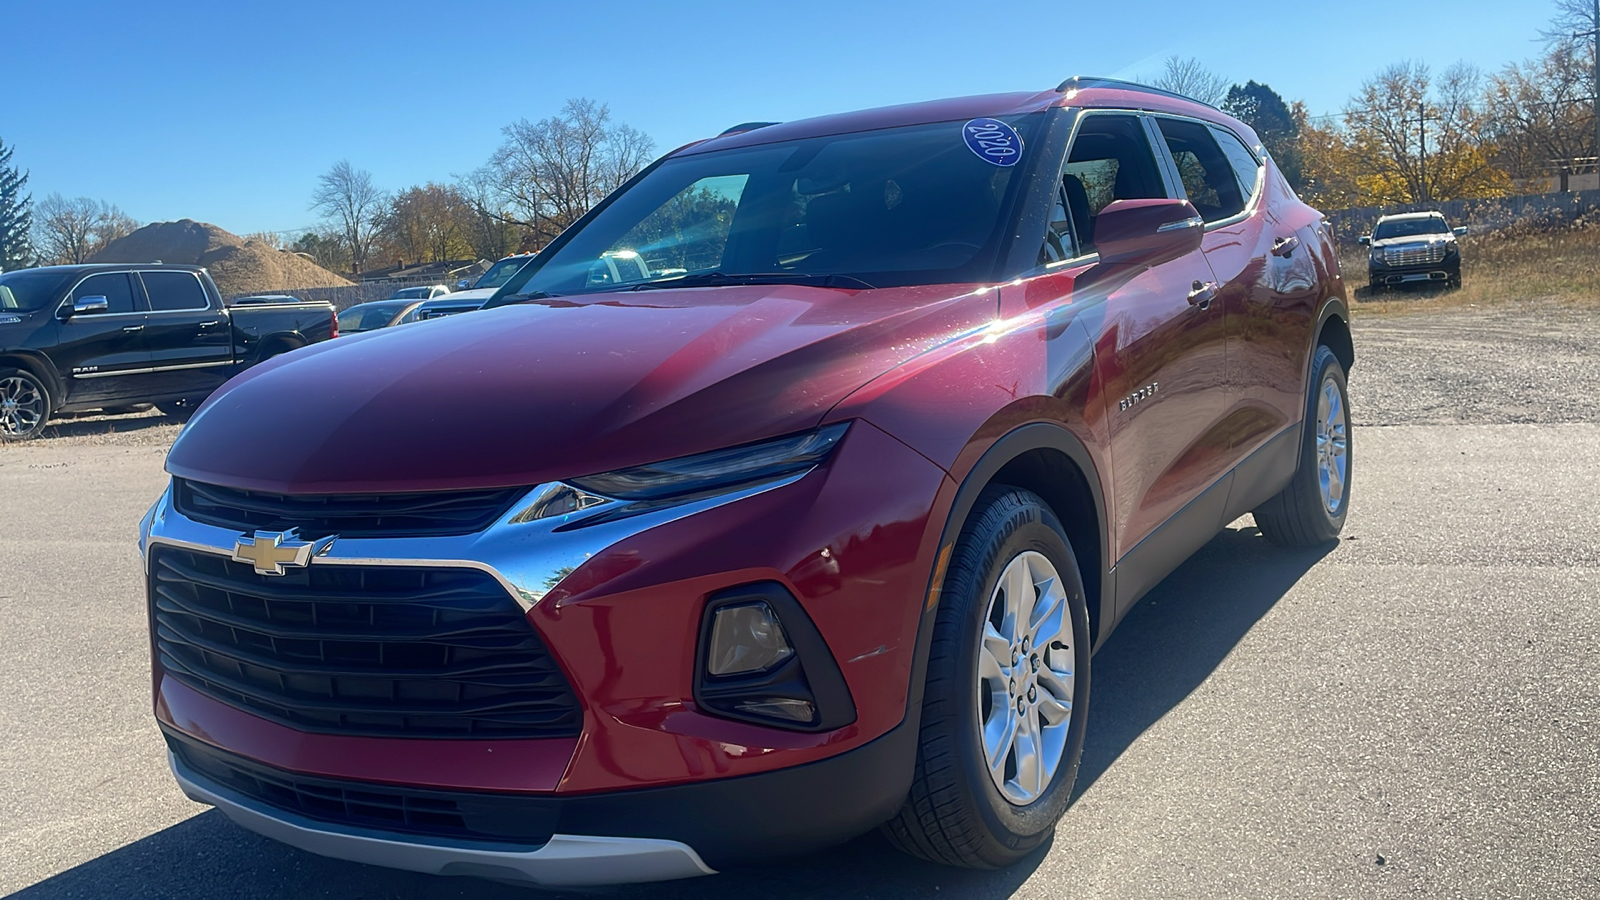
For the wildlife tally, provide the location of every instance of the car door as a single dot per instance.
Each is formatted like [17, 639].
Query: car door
[1261, 271]
[101, 355]
[189, 340]
[1159, 358]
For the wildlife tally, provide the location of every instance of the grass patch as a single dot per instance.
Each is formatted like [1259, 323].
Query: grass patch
[1500, 268]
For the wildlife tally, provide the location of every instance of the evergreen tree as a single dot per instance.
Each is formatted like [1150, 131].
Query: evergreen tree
[1261, 108]
[16, 215]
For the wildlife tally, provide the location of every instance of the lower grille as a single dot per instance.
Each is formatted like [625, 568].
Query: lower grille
[390, 651]
[362, 804]
[1417, 255]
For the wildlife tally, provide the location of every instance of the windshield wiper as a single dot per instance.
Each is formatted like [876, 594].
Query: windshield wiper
[717, 279]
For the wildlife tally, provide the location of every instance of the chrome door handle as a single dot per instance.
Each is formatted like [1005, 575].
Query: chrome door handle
[211, 324]
[133, 328]
[1284, 246]
[1202, 294]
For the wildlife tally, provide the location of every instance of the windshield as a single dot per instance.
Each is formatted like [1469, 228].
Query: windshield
[29, 289]
[1409, 228]
[501, 272]
[897, 206]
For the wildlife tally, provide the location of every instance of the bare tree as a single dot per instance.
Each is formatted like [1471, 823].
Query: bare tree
[553, 171]
[347, 197]
[1191, 78]
[494, 232]
[1416, 139]
[1539, 113]
[73, 231]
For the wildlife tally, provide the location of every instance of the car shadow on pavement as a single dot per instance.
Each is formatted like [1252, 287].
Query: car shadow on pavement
[1162, 651]
[1172, 640]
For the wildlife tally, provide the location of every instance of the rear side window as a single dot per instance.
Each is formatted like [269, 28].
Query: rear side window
[1110, 160]
[114, 286]
[174, 291]
[1245, 166]
[1208, 178]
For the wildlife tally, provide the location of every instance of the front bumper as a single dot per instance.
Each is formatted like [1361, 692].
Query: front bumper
[610, 838]
[1444, 270]
[564, 860]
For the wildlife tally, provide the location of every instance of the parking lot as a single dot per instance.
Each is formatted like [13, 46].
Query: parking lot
[1414, 711]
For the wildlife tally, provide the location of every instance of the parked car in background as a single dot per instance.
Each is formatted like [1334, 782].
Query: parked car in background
[1413, 247]
[453, 304]
[378, 314]
[497, 274]
[770, 503]
[110, 336]
[474, 297]
[420, 293]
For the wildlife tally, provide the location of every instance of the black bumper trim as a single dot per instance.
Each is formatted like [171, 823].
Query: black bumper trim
[729, 821]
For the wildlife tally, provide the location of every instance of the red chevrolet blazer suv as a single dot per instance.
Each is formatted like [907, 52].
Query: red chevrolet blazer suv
[786, 495]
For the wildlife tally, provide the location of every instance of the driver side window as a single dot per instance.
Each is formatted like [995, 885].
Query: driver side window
[1110, 160]
[114, 286]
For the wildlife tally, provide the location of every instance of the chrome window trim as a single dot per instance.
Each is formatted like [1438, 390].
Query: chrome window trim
[1251, 206]
[528, 558]
[67, 301]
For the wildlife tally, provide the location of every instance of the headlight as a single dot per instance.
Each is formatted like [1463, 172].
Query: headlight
[1377, 254]
[718, 471]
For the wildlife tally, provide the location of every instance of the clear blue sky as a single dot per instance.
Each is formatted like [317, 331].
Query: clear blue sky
[228, 111]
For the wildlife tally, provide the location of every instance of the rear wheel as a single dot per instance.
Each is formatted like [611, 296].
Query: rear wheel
[1007, 691]
[1311, 510]
[24, 405]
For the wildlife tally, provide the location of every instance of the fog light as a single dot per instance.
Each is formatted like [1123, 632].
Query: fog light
[748, 638]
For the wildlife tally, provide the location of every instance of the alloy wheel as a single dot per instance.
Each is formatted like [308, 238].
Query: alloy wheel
[22, 406]
[1333, 446]
[1025, 678]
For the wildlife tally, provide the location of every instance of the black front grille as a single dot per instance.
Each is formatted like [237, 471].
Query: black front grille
[416, 514]
[396, 651]
[364, 804]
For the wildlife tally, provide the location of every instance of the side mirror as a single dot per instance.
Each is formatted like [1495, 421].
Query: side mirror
[1459, 230]
[462, 284]
[1147, 232]
[85, 306]
[1364, 240]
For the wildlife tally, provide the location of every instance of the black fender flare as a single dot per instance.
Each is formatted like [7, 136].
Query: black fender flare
[1015, 443]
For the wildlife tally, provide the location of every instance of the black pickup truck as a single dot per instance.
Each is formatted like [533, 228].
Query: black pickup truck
[112, 336]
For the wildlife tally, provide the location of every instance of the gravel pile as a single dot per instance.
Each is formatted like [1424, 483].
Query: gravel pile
[239, 266]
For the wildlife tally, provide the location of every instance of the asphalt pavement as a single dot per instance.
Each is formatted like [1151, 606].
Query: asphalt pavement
[1414, 711]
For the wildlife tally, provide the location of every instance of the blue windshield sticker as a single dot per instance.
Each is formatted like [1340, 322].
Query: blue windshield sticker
[994, 141]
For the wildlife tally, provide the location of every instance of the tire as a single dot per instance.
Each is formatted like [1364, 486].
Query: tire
[25, 405]
[957, 813]
[1305, 513]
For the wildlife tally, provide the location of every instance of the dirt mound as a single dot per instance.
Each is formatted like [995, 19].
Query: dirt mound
[239, 266]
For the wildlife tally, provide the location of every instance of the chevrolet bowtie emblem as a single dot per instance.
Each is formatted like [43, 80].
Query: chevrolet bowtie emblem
[271, 551]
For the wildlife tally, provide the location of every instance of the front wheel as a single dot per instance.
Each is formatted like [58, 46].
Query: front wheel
[1007, 691]
[1311, 509]
[24, 405]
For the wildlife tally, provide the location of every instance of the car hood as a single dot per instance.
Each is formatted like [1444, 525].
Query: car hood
[536, 392]
[474, 295]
